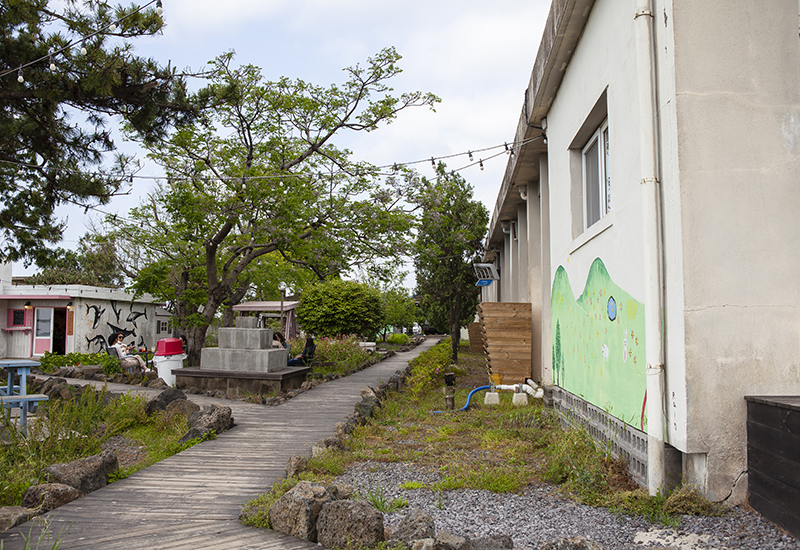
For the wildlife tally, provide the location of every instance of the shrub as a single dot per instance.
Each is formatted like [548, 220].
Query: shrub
[341, 307]
[342, 350]
[52, 361]
[398, 339]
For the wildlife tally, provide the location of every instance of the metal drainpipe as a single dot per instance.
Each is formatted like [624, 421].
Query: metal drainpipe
[645, 69]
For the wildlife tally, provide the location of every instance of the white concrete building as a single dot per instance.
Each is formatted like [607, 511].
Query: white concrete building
[62, 319]
[655, 230]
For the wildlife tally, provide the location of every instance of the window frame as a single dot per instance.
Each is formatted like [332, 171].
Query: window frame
[602, 194]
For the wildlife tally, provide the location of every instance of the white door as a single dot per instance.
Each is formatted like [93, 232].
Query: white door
[42, 330]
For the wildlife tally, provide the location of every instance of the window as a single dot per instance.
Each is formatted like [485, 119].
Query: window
[17, 318]
[596, 178]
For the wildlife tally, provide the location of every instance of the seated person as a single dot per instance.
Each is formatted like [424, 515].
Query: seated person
[128, 361]
[278, 341]
[307, 356]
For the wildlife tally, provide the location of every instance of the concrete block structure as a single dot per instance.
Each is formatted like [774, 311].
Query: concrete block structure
[650, 218]
[244, 348]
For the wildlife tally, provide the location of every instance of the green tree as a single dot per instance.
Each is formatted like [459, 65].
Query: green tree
[53, 134]
[257, 176]
[449, 235]
[341, 307]
[401, 310]
[94, 263]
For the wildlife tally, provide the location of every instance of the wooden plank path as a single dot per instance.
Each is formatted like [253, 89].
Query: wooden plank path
[192, 500]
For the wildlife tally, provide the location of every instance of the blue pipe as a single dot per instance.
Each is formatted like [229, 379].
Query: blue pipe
[465, 407]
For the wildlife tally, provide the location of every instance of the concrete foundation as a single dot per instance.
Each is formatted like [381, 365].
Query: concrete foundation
[241, 384]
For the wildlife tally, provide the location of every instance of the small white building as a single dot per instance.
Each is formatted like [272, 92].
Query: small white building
[62, 319]
[655, 229]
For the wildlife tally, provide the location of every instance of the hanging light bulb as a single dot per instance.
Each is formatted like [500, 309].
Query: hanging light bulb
[52, 64]
[481, 163]
[159, 7]
[506, 144]
[433, 162]
[20, 78]
[470, 155]
[113, 26]
[83, 48]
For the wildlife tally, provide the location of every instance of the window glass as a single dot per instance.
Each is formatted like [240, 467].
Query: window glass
[591, 165]
[19, 318]
[43, 317]
[596, 177]
[606, 170]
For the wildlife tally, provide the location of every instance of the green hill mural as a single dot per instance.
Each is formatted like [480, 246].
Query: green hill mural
[598, 344]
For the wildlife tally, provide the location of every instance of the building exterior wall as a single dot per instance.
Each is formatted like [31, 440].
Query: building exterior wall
[738, 121]
[597, 309]
[92, 314]
[727, 143]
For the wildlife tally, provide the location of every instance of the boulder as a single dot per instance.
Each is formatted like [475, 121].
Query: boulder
[85, 474]
[11, 516]
[330, 442]
[340, 491]
[446, 541]
[349, 523]
[159, 384]
[160, 401]
[212, 418]
[572, 543]
[193, 433]
[367, 406]
[416, 525]
[493, 542]
[182, 406]
[295, 465]
[423, 544]
[48, 496]
[296, 512]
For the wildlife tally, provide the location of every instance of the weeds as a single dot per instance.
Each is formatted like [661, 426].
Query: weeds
[377, 497]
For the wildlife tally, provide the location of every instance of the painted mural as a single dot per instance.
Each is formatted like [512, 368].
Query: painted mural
[598, 344]
[102, 322]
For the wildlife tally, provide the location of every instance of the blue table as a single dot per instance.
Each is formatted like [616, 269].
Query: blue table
[16, 395]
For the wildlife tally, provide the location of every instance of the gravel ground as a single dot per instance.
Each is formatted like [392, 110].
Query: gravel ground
[540, 515]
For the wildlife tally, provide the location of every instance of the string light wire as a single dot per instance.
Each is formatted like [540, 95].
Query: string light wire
[81, 41]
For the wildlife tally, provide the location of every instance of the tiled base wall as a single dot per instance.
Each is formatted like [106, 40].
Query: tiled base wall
[619, 438]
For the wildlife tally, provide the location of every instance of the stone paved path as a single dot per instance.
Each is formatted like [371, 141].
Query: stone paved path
[192, 500]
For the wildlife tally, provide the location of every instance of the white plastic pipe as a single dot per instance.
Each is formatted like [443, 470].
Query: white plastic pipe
[513, 387]
[646, 75]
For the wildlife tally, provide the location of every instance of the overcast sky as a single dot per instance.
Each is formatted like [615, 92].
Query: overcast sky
[475, 55]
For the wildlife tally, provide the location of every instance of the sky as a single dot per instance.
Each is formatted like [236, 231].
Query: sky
[475, 55]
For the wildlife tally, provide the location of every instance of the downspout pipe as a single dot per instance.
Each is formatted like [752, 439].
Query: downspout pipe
[646, 77]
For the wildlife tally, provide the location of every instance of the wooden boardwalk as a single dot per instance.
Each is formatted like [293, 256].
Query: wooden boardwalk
[192, 500]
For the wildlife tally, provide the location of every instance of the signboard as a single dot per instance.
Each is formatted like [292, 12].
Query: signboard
[486, 273]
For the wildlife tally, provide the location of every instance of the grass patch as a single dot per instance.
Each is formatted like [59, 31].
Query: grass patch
[501, 448]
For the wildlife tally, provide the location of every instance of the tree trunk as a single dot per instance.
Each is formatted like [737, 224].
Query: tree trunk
[195, 338]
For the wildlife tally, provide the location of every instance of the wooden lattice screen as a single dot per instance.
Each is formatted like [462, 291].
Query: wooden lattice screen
[506, 335]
